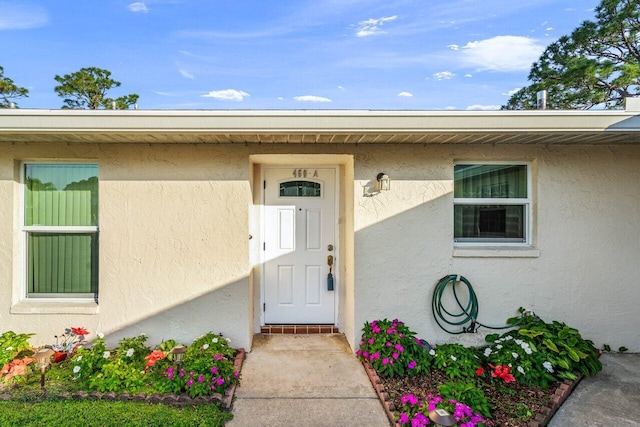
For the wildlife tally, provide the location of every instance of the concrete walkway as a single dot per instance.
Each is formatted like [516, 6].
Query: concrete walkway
[611, 398]
[310, 380]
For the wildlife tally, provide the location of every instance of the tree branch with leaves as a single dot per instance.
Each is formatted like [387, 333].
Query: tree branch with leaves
[9, 91]
[88, 87]
[598, 65]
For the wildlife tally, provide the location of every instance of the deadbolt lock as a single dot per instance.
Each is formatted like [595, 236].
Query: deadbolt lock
[330, 248]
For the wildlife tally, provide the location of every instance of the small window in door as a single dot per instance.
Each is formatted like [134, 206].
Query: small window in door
[300, 189]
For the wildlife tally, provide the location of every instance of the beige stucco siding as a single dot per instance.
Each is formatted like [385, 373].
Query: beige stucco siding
[173, 242]
[583, 269]
[176, 259]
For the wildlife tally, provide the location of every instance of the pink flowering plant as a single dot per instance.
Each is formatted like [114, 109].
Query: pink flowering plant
[415, 411]
[208, 368]
[392, 349]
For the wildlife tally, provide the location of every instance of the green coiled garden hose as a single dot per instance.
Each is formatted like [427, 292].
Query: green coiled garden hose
[467, 314]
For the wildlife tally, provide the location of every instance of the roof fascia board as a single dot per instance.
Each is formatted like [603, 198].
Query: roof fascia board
[318, 121]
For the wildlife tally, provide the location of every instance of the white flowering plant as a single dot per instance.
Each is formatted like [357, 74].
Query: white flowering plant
[86, 361]
[133, 349]
[456, 361]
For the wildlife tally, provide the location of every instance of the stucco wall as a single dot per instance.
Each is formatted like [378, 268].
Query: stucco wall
[175, 259]
[586, 233]
[173, 243]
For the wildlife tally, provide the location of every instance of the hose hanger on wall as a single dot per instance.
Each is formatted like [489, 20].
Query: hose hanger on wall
[468, 313]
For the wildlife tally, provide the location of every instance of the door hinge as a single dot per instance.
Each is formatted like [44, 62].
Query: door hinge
[264, 185]
[264, 246]
[264, 307]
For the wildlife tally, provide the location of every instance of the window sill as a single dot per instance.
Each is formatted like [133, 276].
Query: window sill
[496, 252]
[54, 307]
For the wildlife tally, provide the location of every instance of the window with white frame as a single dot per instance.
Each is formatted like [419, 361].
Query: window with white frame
[61, 230]
[492, 204]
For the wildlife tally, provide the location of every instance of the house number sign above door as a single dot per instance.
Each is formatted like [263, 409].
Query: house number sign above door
[304, 173]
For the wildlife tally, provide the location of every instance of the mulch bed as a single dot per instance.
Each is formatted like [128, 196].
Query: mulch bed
[515, 405]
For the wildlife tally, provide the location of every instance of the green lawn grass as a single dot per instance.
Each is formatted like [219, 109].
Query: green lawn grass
[87, 413]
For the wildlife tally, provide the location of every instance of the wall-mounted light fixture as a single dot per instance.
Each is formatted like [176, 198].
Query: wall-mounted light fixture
[384, 182]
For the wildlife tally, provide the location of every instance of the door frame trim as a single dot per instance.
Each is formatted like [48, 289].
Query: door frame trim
[336, 215]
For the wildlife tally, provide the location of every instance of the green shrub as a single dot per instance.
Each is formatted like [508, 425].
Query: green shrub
[467, 393]
[541, 352]
[207, 367]
[456, 360]
[11, 345]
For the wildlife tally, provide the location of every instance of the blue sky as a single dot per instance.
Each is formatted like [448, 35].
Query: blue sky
[285, 54]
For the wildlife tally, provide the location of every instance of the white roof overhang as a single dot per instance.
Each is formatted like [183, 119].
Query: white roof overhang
[321, 126]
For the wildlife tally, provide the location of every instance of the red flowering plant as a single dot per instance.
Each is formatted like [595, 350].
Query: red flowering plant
[393, 349]
[14, 354]
[70, 340]
[153, 357]
[502, 372]
[517, 358]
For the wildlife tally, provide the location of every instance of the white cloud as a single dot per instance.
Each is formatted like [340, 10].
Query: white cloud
[372, 26]
[340, 88]
[21, 17]
[443, 75]
[468, 75]
[511, 92]
[406, 94]
[478, 107]
[548, 29]
[227, 95]
[453, 47]
[502, 53]
[186, 74]
[138, 7]
[311, 98]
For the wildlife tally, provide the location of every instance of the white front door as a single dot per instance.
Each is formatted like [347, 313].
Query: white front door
[299, 236]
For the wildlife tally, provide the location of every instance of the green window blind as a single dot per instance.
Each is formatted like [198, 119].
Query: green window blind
[61, 260]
